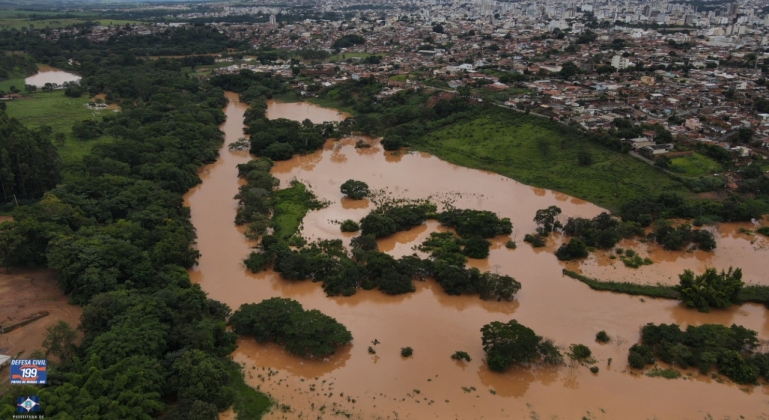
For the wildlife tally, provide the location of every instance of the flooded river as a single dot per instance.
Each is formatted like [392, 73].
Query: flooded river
[47, 74]
[356, 384]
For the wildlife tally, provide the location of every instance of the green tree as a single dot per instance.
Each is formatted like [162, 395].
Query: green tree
[663, 162]
[264, 320]
[314, 334]
[710, 289]
[584, 157]
[547, 220]
[60, 341]
[200, 377]
[511, 343]
[745, 135]
[392, 142]
[279, 151]
[573, 250]
[355, 190]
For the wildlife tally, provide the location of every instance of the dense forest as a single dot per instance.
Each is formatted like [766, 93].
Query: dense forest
[120, 238]
[29, 163]
[16, 65]
[173, 41]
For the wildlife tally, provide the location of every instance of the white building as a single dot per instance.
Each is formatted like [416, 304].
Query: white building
[620, 63]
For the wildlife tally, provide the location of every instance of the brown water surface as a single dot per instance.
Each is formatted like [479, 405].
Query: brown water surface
[47, 74]
[429, 384]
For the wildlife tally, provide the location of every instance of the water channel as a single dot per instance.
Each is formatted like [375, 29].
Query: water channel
[356, 384]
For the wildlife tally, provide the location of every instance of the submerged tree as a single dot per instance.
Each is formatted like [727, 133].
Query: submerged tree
[547, 220]
[356, 190]
[513, 343]
[711, 289]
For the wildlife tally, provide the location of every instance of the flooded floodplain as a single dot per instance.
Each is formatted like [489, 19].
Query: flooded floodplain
[357, 384]
[47, 74]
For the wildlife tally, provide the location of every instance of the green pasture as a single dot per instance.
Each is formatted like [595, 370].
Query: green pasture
[527, 150]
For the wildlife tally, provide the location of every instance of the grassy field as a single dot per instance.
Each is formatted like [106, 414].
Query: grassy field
[345, 55]
[59, 112]
[526, 150]
[330, 103]
[697, 165]
[17, 81]
[289, 207]
[19, 23]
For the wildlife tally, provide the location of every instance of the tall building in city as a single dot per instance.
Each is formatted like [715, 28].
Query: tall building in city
[273, 20]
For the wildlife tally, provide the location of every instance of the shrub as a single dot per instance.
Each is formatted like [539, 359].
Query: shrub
[510, 244]
[602, 337]
[584, 157]
[350, 226]
[579, 352]
[668, 373]
[594, 369]
[392, 142]
[574, 250]
[536, 241]
[407, 351]
[461, 355]
[764, 230]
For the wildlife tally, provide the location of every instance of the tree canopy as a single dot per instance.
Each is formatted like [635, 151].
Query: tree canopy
[730, 349]
[511, 343]
[357, 190]
[710, 289]
[284, 321]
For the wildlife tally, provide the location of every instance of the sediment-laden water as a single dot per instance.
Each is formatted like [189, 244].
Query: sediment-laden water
[47, 74]
[429, 384]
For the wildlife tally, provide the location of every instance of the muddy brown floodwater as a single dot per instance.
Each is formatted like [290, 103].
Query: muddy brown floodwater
[356, 384]
[48, 74]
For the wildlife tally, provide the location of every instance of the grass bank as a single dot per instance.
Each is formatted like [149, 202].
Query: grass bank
[659, 291]
[331, 103]
[290, 205]
[249, 404]
[525, 149]
[752, 293]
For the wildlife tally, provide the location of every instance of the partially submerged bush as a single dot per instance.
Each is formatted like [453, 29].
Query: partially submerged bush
[350, 226]
[461, 355]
